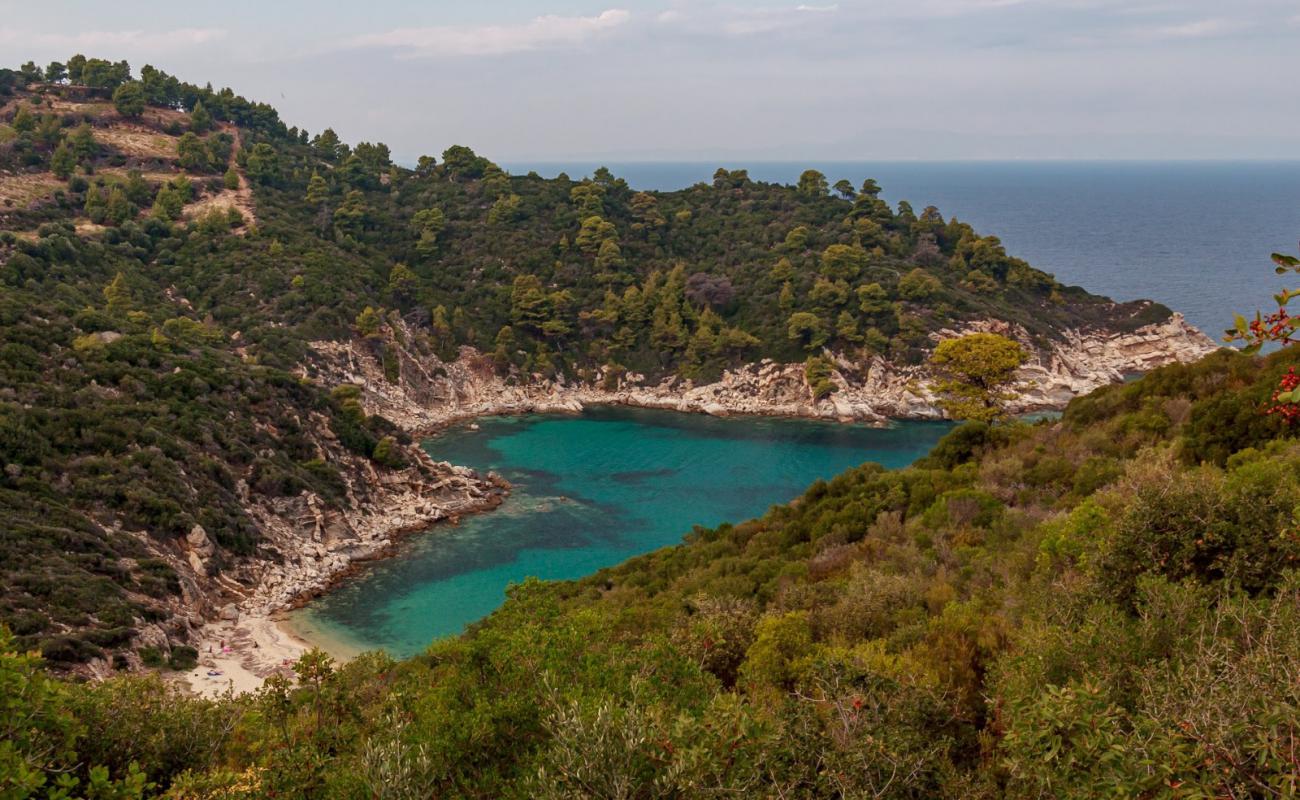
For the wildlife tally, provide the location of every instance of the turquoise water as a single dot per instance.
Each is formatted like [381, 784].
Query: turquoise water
[589, 492]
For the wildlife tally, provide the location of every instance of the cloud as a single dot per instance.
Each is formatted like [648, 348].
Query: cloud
[733, 19]
[101, 42]
[1196, 29]
[489, 40]
[750, 22]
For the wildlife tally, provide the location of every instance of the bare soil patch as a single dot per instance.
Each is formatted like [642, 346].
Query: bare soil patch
[137, 141]
[241, 198]
[153, 176]
[96, 110]
[23, 189]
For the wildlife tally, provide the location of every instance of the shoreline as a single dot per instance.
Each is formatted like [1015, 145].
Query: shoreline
[433, 394]
[260, 642]
[257, 640]
[245, 652]
[426, 403]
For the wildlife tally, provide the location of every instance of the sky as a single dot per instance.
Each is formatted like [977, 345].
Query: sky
[694, 80]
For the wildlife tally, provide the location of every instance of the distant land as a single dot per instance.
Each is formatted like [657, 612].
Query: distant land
[1168, 230]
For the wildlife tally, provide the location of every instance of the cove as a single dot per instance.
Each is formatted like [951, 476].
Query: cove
[590, 491]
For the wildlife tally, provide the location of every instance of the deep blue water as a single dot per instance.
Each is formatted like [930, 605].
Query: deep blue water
[590, 491]
[1195, 236]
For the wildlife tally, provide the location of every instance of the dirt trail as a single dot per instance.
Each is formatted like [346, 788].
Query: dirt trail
[241, 198]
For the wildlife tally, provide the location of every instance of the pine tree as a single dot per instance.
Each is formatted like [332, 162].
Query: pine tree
[402, 284]
[200, 119]
[846, 327]
[129, 99]
[83, 143]
[23, 121]
[95, 206]
[63, 162]
[786, 300]
[368, 322]
[169, 203]
[118, 295]
[317, 190]
[191, 154]
[610, 256]
[117, 209]
[503, 354]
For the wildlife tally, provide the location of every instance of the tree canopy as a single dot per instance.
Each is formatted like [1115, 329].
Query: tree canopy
[976, 373]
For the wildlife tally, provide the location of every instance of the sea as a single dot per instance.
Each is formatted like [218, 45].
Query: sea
[1194, 235]
[589, 491]
[596, 489]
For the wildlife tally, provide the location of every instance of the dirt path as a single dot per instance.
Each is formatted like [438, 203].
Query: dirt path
[240, 198]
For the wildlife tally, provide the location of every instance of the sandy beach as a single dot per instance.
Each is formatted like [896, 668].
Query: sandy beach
[244, 652]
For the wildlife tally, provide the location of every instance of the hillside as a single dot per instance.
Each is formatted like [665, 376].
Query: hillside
[220, 335]
[1104, 605]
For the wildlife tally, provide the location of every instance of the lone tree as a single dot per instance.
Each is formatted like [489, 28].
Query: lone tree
[129, 99]
[975, 372]
[813, 183]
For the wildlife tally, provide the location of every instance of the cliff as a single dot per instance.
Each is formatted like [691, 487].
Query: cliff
[305, 544]
[430, 392]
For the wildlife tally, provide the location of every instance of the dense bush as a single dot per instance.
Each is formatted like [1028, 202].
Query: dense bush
[1058, 609]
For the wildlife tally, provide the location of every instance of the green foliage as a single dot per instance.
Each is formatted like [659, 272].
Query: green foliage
[968, 626]
[200, 119]
[807, 329]
[129, 99]
[62, 161]
[44, 741]
[191, 153]
[263, 164]
[368, 322]
[813, 183]
[817, 373]
[918, 286]
[842, 261]
[975, 371]
[1100, 605]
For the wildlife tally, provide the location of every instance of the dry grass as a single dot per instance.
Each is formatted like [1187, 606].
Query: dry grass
[241, 198]
[223, 202]
[20, 191]
[99, 110]
[105, 112]
[7, 133]
[162, 117]
[152, 176]
[137, 141]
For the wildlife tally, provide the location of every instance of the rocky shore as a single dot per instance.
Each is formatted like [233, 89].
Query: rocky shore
[309, 547]
[230, 610]
[432, 393]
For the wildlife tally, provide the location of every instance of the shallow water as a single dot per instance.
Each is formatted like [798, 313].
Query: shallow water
[590, 491]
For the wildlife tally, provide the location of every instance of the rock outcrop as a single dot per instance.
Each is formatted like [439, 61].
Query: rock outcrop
[431, 393]
[305, 544]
